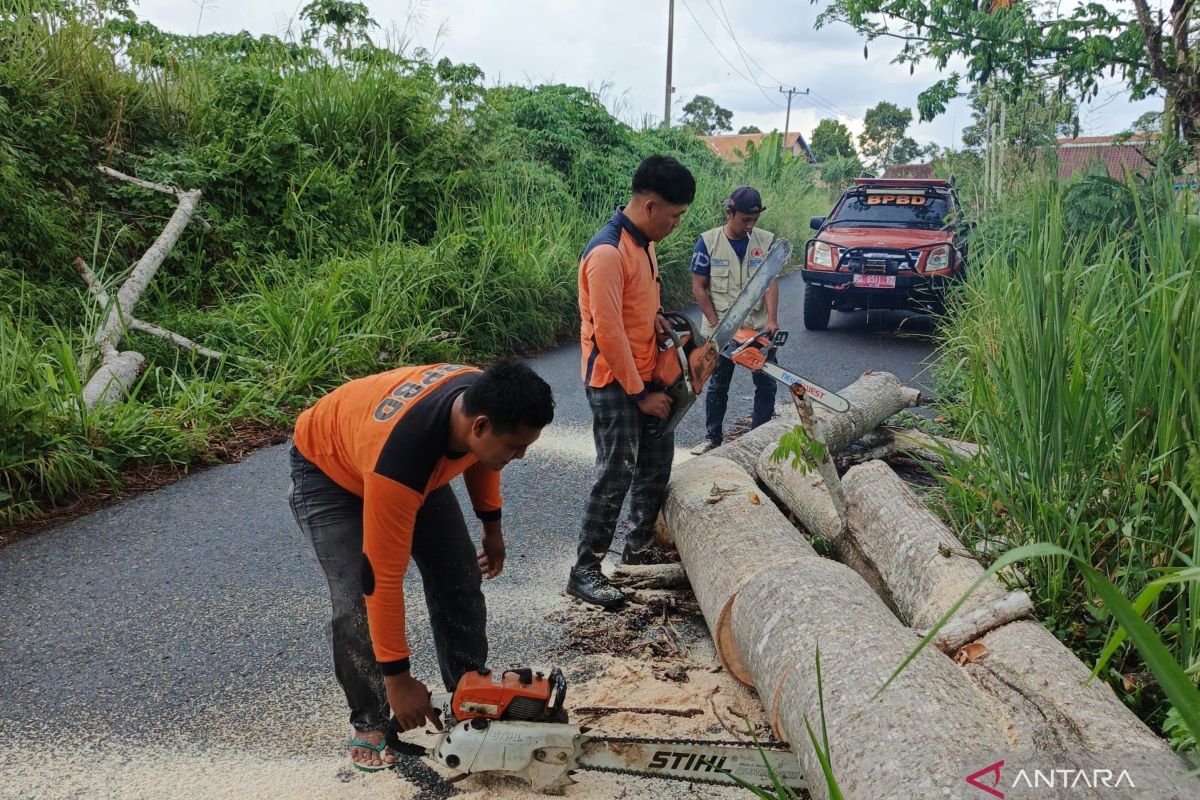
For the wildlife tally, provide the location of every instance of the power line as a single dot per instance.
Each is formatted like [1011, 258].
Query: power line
[736, 71]
[820, 103]
[829, 103]
[729, 27]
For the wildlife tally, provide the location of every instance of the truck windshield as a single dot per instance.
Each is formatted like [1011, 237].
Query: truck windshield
[878, 209]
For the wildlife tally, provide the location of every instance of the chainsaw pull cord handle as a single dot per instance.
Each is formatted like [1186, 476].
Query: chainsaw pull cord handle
[558, 686]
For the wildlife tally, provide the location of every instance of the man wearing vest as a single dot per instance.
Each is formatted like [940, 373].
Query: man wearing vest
[619, 305]
[724, 259]
[371, 464]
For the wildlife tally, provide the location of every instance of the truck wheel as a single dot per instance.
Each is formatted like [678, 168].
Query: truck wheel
[817, 306]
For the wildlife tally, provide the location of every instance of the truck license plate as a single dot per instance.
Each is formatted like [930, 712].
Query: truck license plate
[875, 281]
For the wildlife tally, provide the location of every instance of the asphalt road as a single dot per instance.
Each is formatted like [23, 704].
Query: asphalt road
[192, 618]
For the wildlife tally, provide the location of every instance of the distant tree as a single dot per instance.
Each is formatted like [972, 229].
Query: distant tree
[837, 172]
[907, 151]
[749, 129]
[344, 24]
[1152, 46]
[831, 139]
[1035, 116]
[883, 128]
[705, 117]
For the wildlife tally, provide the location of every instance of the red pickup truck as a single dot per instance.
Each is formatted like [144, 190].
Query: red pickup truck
[888, 243]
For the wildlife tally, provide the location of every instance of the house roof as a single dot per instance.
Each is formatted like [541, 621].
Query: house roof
[1118, 155]
[729, 145]
[909, 171]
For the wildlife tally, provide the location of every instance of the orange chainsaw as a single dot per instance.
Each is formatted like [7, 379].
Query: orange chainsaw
[512, 722]
[685, 361]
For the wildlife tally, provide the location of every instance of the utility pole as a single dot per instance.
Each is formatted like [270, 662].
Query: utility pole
[788, 119]
[670, 43]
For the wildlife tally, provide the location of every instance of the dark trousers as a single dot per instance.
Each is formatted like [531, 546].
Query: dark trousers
[332, 519]
[716, 401]
[628, 461]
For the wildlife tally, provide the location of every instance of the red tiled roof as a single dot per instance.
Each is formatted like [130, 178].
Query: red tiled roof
[1117, 156]
[729, 145]
[909, 171]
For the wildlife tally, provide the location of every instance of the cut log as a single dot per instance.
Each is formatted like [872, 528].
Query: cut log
[655, 576]
[911, 738]
[923, 566]
[1044, 688]
[804, 494]
[873, 398]
[725, 538]
[965, 628]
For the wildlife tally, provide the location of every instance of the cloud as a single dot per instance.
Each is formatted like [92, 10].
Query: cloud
[622, 44]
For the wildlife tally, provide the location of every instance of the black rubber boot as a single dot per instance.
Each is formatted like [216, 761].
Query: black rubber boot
[590, 586]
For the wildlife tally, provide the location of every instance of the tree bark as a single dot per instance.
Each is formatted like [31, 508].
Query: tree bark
[922, 564]
[1045, 690]
[725, 538]
[873, 398]
[909, 742]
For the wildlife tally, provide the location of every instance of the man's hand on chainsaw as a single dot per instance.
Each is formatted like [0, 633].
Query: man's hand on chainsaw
[655, 404]
[661, 326]
[491, 557]
[409, 701]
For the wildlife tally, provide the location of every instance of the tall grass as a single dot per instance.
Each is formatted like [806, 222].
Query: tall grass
[365, 212]
[1074, 354]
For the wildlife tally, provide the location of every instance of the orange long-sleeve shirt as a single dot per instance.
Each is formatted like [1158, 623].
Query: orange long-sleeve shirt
[619, 297]
[385, 439]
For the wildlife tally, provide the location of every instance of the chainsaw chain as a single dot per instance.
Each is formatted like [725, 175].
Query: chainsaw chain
[751, 744]
[775, 746]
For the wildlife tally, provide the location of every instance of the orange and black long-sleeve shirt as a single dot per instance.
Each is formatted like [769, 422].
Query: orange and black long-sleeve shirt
[619, 297]
[385, 438]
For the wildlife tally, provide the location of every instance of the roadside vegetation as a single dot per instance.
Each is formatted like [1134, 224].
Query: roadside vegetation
[368, 206]
[1073, 355]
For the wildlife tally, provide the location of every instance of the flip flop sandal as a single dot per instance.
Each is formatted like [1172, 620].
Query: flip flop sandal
[378, 748]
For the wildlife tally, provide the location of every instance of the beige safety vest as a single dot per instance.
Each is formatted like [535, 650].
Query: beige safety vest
[728, 274]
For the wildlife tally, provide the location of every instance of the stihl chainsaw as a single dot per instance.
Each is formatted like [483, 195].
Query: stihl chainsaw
[685, 361]
[513, 723]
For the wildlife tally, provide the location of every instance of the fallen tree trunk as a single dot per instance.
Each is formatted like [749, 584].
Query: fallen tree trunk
[923, 566]
[873, 398]
[1045, 689]
[924, 719]
[119, 369]
[726, 533]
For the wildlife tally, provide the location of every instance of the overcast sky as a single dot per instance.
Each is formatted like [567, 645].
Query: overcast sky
[620, 46]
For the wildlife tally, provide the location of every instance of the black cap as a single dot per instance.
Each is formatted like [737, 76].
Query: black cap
[745, 199]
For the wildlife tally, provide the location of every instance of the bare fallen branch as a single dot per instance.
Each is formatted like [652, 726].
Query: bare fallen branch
[118, 370]
[655, 576]
[966, 628]
[175, 339]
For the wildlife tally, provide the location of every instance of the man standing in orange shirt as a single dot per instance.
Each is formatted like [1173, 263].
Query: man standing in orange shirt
[371, 467]
[620, 300]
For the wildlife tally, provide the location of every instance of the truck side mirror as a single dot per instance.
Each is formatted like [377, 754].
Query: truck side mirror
[816, 223]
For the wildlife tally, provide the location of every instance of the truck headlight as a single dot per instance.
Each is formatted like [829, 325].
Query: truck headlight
[939, 258]
[822, 255]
